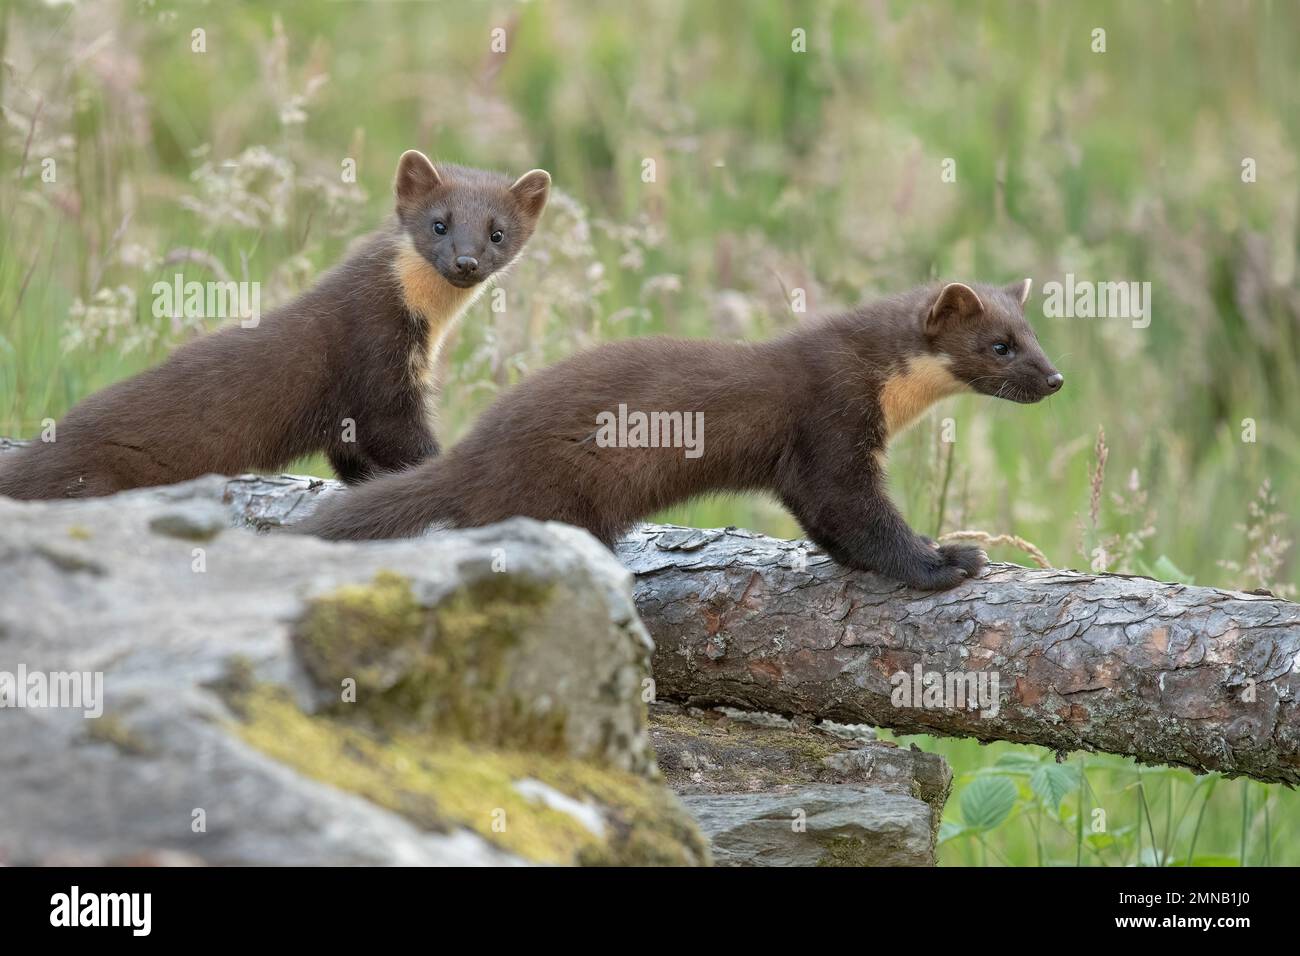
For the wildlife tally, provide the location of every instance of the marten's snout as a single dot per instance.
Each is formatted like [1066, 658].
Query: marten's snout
[466, 266]
[1040, 380]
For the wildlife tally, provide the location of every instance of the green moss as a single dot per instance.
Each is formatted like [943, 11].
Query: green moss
[810, 745]
[110, 729]
[438, 734]
[79, 533]
[846, 851]
[239, 678]
[737, 755]
[441, 783]
[356, 630]
[446, 667]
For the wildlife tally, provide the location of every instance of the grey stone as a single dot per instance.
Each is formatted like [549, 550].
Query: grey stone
[191, 520]
[130, 587]
[828, 825]
[728, 753]
[738, 772]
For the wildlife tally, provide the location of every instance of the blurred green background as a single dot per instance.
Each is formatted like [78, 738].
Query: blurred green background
[774, 170]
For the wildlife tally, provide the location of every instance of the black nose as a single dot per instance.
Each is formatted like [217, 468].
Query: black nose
[466, 265]
[1055, 380]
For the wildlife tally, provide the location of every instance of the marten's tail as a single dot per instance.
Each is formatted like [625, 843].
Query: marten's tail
[11, 484]
[37, 471]
[399, 505]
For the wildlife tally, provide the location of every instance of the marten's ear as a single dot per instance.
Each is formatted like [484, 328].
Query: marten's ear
[956, 301]
[1020, 290]
[531, 191]
[416, 177]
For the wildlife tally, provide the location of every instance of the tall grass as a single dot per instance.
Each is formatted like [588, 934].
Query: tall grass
[777, 175]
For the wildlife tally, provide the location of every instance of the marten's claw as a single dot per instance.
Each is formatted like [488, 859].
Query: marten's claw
[967, 557]
[948, 566]
[940, 578]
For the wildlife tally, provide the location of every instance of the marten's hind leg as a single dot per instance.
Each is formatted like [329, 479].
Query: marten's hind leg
[400, 444]
[388, 444]
[350, 465]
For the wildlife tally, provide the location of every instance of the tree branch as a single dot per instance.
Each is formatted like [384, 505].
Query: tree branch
[1165, 673]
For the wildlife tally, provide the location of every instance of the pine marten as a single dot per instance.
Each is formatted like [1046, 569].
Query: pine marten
[806, 416]
[345, 368]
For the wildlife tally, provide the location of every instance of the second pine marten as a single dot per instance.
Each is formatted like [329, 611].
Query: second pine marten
[345, 368]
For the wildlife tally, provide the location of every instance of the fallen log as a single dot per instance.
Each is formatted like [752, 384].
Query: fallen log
[1166, 673]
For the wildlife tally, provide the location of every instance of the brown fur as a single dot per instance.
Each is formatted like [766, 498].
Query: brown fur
[357, 347]
[806, 417]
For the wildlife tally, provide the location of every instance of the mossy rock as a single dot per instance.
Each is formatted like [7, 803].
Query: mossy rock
[441, 668]
[504, 660]
[442, 783]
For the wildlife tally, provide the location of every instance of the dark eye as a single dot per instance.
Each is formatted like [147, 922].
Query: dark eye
[497, 236]
[1002, 348]
[440, 227]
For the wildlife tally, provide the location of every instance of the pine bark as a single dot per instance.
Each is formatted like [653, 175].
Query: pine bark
[1166, 673]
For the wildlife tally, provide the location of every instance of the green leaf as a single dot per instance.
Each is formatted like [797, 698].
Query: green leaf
[1015, 763]
[1166, 570]
[987, 802]
[1100, 841]
[1053, 782]
[951, 830]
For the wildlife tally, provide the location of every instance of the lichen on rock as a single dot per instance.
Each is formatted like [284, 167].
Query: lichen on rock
[465, 663]
[440, 783]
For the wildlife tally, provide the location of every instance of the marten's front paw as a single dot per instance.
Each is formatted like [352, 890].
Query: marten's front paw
[965, 556]
[938, 577]
[947, 567]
